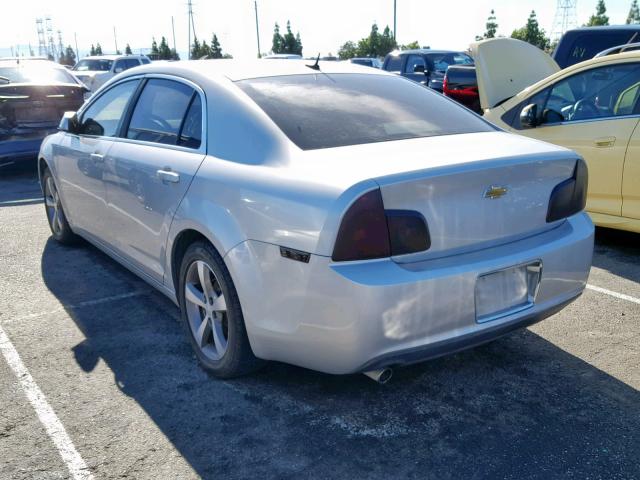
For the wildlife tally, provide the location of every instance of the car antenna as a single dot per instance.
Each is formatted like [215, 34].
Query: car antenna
[315, 66]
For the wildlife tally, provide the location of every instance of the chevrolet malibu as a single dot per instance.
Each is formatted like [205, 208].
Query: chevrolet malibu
[331, 216]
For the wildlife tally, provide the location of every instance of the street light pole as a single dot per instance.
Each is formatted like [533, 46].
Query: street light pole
[255, 4]
[394, 19]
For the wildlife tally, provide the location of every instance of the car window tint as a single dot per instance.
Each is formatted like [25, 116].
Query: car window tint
[588, 45]
[412, 62]
[596, 93]
[119, 66]
[103, 116]
[158, 114]
[394, 63]
[145, 61]
[191, 133]
[323, 111]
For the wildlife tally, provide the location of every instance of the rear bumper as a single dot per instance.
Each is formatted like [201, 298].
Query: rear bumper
[355, 316]
[23, 146]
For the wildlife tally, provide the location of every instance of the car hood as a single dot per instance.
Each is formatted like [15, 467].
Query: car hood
[506, 66]
[87, 73]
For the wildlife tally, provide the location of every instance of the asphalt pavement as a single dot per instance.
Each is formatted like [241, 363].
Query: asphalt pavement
[112, 365]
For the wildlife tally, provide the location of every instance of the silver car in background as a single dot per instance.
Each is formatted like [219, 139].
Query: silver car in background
[96, 70]
[343, 219]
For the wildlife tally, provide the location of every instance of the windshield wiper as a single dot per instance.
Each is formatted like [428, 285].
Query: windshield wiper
[4, 79]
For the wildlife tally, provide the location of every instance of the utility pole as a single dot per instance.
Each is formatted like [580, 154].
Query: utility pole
[255, 4]
[75, 37]
[394, 19]
[115, 39]
[189, 37]
[173, 29]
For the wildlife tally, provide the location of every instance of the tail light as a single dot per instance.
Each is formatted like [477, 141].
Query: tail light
[570, 196]
[369, 231]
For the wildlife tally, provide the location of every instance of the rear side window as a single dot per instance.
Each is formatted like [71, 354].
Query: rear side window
[394, 63]
[145, 61]
[159, 112]
[191, 133]
[323, 111]
[103, 116]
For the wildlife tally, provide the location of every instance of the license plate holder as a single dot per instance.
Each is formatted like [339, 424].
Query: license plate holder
[507, 291]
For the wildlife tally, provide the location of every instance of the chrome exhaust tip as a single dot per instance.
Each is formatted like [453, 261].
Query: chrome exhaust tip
[380, 376]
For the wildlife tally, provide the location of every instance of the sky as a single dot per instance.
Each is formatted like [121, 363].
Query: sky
[324, 25]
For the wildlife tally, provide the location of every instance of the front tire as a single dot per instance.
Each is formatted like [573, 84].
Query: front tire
[211, 314]
[60, 229]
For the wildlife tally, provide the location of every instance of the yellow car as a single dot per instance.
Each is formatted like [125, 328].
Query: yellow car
[592, 107]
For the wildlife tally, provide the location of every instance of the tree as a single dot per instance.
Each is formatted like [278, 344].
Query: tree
[491, 27]
[348, 50]
[154, 48]
[216, 50]
[410, 46]
[532, 33]
[68, 57]
[127, 50]
[599, 18]
[98, 49]
[277, 43]
[634, 13]
[164, 52]
[92, 52]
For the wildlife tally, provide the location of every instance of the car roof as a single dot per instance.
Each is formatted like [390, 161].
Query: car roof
[423, 51]
[609, 28]
[110, 57]
[235, 70]
[40, 60]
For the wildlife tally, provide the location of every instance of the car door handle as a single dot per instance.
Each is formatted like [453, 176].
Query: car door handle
[605, 141]
[167, 176]
[97, 158]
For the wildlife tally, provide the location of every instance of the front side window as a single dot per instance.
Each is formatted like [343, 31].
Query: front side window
[102, 118]
[414, 61]
[603, 92]
[159, 111]
[333, 110]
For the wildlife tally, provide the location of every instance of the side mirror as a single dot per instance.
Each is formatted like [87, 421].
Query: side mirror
[529, 116]
[69, 123]
[419, 69]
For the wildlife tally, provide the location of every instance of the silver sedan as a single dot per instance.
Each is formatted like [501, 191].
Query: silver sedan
[330, 216]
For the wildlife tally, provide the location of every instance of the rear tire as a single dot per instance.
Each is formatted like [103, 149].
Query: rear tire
[60, 229]
[211, 314]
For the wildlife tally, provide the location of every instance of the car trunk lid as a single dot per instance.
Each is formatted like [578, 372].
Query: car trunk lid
[477, 205]
[506, 66]
[30, 106]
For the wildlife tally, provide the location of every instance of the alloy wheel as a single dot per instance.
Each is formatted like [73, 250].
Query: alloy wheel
[206, 310]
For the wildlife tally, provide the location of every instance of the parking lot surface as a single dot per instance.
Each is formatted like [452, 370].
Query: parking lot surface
[109, 358]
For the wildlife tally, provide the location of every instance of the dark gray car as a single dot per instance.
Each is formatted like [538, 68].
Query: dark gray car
[424, 65]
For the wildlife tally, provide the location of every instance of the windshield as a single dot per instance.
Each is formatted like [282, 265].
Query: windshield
[93, 65]
[442, 61]
[323, 111]
[34, 72]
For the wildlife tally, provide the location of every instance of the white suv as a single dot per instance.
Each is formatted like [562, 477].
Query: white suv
[95, 71]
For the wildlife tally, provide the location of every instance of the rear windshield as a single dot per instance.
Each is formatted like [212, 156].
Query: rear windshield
[323, 111]
[35, 71]
[93, 65]
[588, 46]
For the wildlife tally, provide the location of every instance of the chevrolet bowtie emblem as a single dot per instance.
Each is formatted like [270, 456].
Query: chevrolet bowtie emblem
[495, 192]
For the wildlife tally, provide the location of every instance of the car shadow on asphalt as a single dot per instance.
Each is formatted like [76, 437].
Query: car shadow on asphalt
[618, 252]
[19, 185]
[519, 407]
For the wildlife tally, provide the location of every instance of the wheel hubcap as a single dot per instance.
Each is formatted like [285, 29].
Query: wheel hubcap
[206, 310]
[52, 202]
